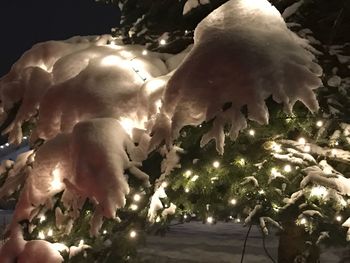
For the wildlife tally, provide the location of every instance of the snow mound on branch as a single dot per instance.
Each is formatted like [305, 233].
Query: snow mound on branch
[16, 249]
[88, 163]
[78, 79]
[243, 53]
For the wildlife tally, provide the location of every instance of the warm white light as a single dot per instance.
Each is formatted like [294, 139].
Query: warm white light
[158, 219]
[187, 190]
[111, 60]
[241, 161]
[238, 220]
[303, 221]
[41, 235]
[132, 234]
[318, 191]
[210, 219]
[216, 164]
[307, 148]
[134, 207]
[165, 184]
[302, 141]
[129, 124]
[287, 168]
[251, 132]
[188, 173]
[274, 171]
[185, 216]
[7, 144]
[81, 242]
[336, 143]
[50, 233]
[104, 232]
[319, 123]
[338, 218]
[233, 201]
[261, 192]
[56, 183]
[59, 247]
[194, 178]
[42, 218]
[144, 52]
[162, 42]
[276, 147]
[137, 197]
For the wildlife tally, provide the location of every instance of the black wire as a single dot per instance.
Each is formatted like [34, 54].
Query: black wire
[265, 249]
[245, 242]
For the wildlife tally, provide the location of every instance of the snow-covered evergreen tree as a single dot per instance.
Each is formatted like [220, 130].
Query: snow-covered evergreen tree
[208, 110]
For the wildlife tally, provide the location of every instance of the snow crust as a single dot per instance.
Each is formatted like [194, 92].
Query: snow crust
[240, 59]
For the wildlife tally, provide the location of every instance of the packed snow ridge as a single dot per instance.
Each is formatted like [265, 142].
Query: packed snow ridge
[91, 99]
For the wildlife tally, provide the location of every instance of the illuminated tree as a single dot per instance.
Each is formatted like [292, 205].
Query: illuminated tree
[125, 138]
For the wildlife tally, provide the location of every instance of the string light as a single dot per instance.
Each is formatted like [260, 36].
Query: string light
[81, 242]
[216, 164]
[185, 216]
[303, 221]
[144, 52]
[210, 220]
[137, 197]
[132, 234]
[188, 173]
[162, 42]
[261, 192]
[233, 201]
[50, 233]
[241, 161]
[287, 168]
[104, 232]
[302, 141]
[134, 207]
[318, 191]
[165, 184]
[42, 218]
[194, 178]
[338, 218]
[319, 123]
[56, 183]
[251, 132]
[41, 235]
[187, 190]
[307, 148]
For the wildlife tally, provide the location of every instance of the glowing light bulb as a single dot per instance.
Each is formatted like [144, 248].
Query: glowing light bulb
[132, 234]
[194, 178]
[104, 232]
[50, 233]
[137, 197]
[144, 52]
[162, 42]
[276, 147]
[287, 168]
[185, 216]
[216, 164]
[241, 162]
[210, 219]
[42, 218]
[188, 173]
[319, 123]
[56, 183]
[318, 191]
[302, 141]
[307, 148]
[303, 221]
[134, 207]
[261, 192]
[187, 190]
[233, 201]
[338, 218]
[41, 235]
[165, 184]
[81, 242]
[251, 132]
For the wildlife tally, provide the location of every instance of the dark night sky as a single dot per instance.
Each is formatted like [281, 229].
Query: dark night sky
[26, 22]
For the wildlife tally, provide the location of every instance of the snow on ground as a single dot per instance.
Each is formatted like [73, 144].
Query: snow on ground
[222, 242]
